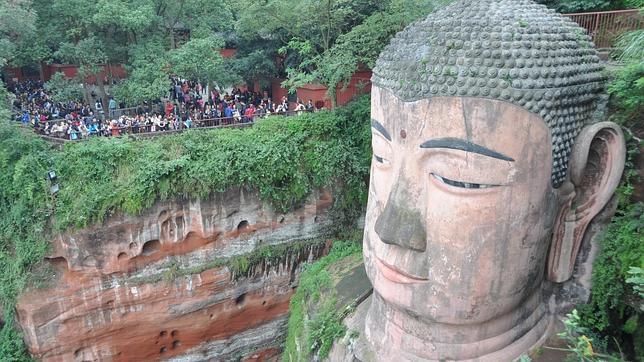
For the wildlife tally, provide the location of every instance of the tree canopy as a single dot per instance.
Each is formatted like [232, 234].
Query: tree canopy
[303, 41]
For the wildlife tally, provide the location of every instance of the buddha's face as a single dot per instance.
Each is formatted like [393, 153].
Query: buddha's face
[461, 207]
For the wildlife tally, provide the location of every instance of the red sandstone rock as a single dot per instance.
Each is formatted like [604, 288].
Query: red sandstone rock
[121, 295]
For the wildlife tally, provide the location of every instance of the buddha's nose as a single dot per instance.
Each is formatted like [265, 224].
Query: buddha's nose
[401, 223]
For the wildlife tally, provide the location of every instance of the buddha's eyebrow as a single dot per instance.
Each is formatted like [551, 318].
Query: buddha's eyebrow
[380, 128]
[459, 144]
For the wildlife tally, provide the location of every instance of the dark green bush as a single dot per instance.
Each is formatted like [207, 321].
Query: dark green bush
[315, 290]
[613, 312]
[627, 90]
[613, 316]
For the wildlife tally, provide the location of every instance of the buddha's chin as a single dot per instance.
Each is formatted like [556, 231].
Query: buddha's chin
[428, 301]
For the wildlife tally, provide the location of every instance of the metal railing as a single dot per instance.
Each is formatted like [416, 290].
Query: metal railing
[149, 130]
[605, 27]
[131, 111]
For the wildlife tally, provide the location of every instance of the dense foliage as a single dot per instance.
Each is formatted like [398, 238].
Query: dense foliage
[307, 337]
[613, 317]
[62, 89]
[305, 41]
[335, 61]
[283, 158]
[25, 207]
[627, 87]
[614, 308]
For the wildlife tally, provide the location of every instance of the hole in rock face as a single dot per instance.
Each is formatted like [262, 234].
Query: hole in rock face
[163, 334]
[315, 219]
[151, 247]
[59, 263]
[282, 220]
[122, 256]
[242, 225]
[176, 344]
[264, 303]
[174, 333]
[162, 350]
[212, 316]
[239, 300]
[133, 245]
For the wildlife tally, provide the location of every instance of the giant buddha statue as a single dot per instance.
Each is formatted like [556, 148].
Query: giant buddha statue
[490, 158]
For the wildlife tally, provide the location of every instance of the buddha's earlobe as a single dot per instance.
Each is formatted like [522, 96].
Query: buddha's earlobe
[595, 169]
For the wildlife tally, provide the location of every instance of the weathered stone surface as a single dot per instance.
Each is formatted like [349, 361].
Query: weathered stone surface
[148, 287]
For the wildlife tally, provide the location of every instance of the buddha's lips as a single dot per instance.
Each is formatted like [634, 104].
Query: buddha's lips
[396, 275]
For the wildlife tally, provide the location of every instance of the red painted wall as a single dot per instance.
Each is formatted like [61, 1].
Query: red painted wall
[360, 84]
[277, 91]
[71, 70]
[18, 74]
[314, 92]
[228, 53]
[13, 74]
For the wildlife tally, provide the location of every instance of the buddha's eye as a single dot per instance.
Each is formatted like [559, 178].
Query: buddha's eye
[381, 160]
[461, 184]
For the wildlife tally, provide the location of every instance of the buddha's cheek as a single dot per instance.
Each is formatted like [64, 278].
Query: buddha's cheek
[479, 248]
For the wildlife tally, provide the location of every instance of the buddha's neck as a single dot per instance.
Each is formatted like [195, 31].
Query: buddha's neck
[396, 335]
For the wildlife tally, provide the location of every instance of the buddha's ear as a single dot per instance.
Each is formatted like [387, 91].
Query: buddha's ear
[595, 167]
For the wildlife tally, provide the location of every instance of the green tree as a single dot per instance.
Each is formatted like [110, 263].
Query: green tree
[359, 45]
[256, 59]
[17, 23]
[307, 28]
[147, 74]
[92, 32]
[62, 89]
[88, 54]
[200, 59]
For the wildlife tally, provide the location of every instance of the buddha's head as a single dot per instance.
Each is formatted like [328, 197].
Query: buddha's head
[489, 159]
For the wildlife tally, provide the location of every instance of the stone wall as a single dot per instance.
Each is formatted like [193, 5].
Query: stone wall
[160, 286]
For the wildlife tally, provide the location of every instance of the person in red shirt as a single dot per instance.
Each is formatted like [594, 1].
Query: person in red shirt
[169, 108]
[250, 113]
[114, 126]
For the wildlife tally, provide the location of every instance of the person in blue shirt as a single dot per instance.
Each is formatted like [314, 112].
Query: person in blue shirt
[228, 112]
[93, 128]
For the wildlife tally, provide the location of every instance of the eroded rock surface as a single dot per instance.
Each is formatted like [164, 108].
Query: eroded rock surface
[162, 285]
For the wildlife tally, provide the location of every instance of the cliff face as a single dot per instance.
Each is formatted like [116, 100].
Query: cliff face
[188, 280]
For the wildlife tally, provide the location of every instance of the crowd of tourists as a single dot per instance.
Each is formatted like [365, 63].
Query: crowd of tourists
[189, 105]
